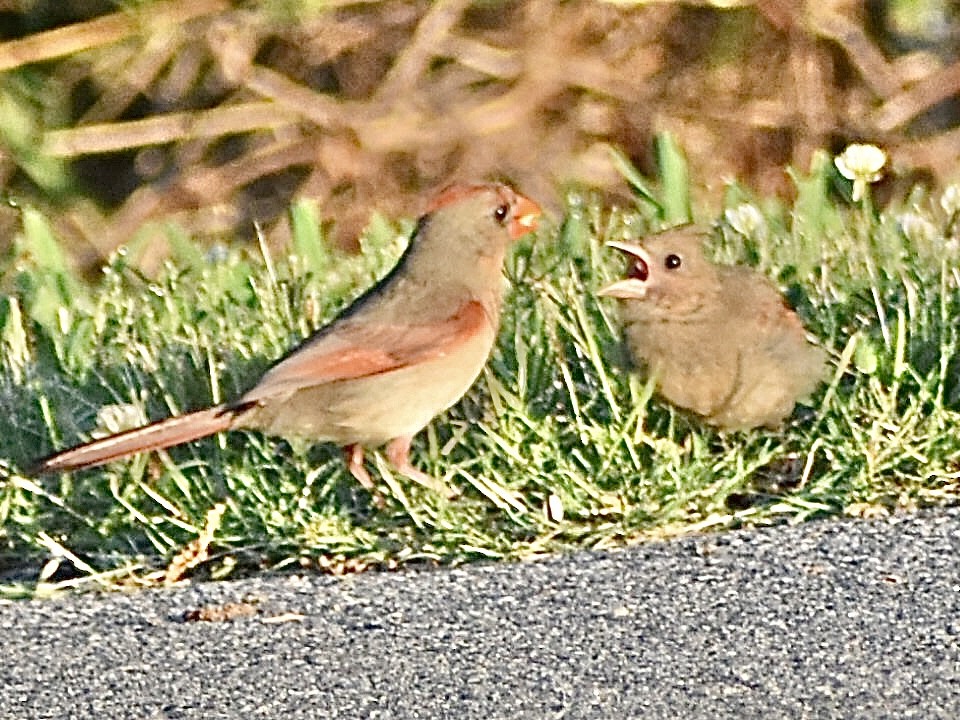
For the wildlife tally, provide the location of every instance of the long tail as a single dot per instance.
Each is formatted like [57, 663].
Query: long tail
[156, 436]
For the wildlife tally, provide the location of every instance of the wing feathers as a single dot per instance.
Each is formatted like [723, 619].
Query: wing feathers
[364, 350]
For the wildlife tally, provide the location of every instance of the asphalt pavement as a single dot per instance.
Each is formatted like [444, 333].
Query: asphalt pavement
[831, 619]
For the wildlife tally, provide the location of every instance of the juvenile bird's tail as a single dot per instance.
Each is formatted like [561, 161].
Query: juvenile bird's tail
[156, 436]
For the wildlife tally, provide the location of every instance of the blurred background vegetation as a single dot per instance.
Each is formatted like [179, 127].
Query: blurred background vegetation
[119, 115]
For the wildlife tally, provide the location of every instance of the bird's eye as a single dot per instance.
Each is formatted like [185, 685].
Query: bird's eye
[501, 213]
[672, 262]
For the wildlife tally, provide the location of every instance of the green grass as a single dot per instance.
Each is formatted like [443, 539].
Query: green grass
[555, 418]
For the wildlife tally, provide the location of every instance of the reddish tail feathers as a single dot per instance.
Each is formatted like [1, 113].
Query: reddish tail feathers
[159, 435]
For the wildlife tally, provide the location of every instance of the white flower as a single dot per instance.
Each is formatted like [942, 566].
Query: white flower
[917, 228]
[746, 220]
[863, 164]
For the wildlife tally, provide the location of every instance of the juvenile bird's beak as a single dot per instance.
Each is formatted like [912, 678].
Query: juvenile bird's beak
[635, 250]
[634, 287]
[628, 289]
[525, 217]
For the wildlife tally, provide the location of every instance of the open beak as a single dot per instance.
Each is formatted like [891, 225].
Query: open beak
[526, 213]
[633, 287]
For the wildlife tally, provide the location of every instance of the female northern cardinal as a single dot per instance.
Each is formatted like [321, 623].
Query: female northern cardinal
[403, 352]
[718, 340]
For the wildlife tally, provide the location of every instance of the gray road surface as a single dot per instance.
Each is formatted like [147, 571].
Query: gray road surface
[826, 620]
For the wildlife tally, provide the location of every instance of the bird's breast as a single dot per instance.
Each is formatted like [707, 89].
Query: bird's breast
[374, 409]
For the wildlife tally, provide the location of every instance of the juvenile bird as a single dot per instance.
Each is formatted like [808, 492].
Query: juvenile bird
[717, 340]
[403, 352]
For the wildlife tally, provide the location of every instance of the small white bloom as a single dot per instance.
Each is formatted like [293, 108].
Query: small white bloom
[861, 161]
[917, 228]
[950, 200]
[746, 220]
[863, 164]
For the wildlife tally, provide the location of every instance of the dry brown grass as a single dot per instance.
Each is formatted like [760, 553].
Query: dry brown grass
[216, 115]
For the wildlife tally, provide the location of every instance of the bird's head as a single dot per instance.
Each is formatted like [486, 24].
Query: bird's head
[462, 239]
[489, 206]
[668, 274]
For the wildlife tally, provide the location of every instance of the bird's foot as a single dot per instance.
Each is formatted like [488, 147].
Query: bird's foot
[356, 467]
[398, 453]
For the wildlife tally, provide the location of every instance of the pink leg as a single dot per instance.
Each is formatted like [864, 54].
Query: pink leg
[398, 453]
[356, 467]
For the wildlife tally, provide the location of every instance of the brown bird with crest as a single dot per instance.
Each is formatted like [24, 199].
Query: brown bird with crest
[378, 373]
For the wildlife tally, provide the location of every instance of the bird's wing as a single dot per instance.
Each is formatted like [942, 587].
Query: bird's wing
[758, 309]
[354, 350]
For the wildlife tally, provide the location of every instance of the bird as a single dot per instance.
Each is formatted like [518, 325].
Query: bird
[717, 340]
[379, 372]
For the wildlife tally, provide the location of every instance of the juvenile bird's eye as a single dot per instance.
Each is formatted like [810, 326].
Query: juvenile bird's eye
[672, 262]
[501, 213]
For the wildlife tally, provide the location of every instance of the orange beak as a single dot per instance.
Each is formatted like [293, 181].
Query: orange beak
[525, 216]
